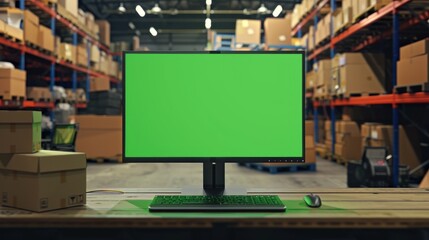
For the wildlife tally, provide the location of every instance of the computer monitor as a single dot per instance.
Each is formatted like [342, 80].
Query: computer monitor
[213, 107]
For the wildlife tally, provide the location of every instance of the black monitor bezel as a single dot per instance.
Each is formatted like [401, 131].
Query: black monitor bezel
[204, 159]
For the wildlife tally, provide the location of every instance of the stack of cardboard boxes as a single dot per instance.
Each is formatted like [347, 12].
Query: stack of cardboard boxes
[323, 29]
[358, 73]
[322, 71]
[380, 135]
[39, 94]
[10, 20]
[414, 64]
[12, 83]
[35, 179]
[347, 140]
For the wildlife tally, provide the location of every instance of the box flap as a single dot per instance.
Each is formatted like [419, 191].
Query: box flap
[20, 117]
[43, 161]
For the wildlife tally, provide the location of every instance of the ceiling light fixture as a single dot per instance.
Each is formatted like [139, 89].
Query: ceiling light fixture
[156, 9]
[208, 2]
[277, 11]
[208, 23]
[121, 8]
[153, 31]
[262, 9]
[140, 11]
[138, 32]
[131, 25]
[246, 11]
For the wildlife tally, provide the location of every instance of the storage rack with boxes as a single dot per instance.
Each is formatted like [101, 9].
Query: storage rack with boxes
[58, 45]
[358, 26]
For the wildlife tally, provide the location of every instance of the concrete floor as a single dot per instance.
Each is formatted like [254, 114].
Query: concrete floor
[177, 175]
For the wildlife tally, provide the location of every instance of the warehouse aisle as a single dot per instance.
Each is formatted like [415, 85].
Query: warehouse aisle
[171, 175]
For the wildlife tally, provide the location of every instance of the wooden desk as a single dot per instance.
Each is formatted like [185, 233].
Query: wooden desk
[404, 210]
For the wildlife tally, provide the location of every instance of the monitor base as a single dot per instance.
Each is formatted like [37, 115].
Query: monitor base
[199, 191]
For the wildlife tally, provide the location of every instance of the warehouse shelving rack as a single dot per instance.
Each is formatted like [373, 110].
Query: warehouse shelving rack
[48, 13]
[347, 38]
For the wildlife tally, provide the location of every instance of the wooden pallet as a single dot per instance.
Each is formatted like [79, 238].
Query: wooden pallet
[349, 95]
[338, 159]
[11, 38]
[12, 98]
[424, 87]
[286, 167]
[39, 99]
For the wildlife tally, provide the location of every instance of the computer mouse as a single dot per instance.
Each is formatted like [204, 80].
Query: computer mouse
[313, 200]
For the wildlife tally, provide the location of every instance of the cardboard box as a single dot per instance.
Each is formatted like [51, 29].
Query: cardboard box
[328, 126]
[368, 130]
[99, 84]
[310, 80]
[404, 72]
[12, 83]
[43, 181]
[309, 128]
[20, 131]
[277, 31]
[415, 49]
[348, 127]
[99, 136]
[347, 15]
[358, 79]
[11, 16]
[46, 39]
[405, 52]
[338, 19]
[95, 54]
[420, 69]
[413, 71]
[71, 6]
[14, 32]
[68, 52]
[82, 56]
[310, 151]
[350, 149]
[248, 31]
[104, 27]
[323, 72]
[39, 93]
[31, 27]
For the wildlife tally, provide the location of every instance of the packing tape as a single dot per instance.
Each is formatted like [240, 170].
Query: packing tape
[63, 177]
[63, 202]
[12, 127]
[12, 148]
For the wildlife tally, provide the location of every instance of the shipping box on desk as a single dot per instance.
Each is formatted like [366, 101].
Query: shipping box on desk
[43, 181]
[20, 131]
[12, 83]
[99, 136]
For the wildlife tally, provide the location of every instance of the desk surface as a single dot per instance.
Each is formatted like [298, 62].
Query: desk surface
[342, 208]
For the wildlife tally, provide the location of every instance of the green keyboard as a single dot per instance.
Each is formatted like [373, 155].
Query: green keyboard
[235, 203]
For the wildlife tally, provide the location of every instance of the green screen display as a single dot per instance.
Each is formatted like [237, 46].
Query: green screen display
[213, 105]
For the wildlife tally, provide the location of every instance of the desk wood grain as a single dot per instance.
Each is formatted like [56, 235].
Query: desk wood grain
[342, 208]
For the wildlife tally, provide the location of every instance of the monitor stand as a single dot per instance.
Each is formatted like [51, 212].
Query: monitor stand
[214, 181]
